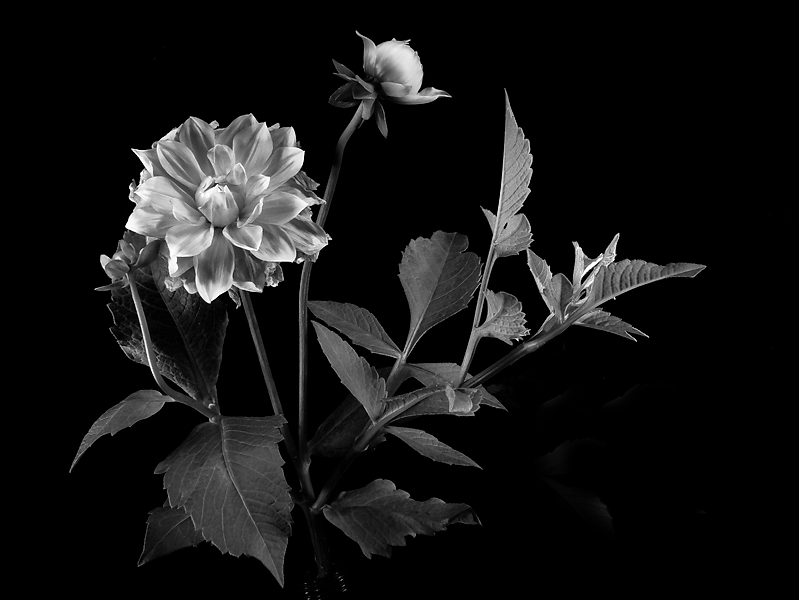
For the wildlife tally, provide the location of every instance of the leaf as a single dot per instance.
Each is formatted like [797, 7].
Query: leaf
[604, 321]
[139, 405]
[439, 280]
[581, 269]
[427, 445]
[358, 324]
[187, 332]
[168, 529]
[227, 476]
[505, 320]
[556, 291]
[617, 278]
[360, 378]
[511, 232]
[379, 516]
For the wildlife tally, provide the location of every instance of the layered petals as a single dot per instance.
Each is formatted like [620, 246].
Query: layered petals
[213, 268]
[230, 203]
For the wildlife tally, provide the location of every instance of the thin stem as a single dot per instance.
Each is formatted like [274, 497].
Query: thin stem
[150, 352]
[305, 280]
[260, 349]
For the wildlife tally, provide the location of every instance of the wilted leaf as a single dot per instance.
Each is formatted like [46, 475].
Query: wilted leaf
[505, 320]
[139, 405]
[439, 280]
[604, 321]
[168, 529]
[427, 445]
[379, 516]
[358, 324]
[228, 477]
[187, 332]
[360, 378]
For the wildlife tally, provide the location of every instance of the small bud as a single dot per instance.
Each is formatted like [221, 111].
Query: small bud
[149, 253]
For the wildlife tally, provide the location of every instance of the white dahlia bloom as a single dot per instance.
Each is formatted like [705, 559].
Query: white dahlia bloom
[230, 203]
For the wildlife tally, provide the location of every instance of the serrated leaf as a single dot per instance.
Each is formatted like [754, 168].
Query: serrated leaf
[604, 321]
[429, 446]
[589, 270]
[615, 279]
[515, 237]
[379, 516]
[187, 332]
[139, 405]
[168, 529]
[556, 291]
[358, 324]
[439, 279]
[514, 188]
[505, 319]
[360, 378]
[228, 477]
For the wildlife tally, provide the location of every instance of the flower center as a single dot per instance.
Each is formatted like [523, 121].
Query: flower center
[216, 202]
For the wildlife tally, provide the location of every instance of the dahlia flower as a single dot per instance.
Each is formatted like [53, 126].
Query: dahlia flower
[392, 71]
[230, 203]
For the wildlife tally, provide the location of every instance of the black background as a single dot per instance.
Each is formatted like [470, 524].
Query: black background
[630, 128]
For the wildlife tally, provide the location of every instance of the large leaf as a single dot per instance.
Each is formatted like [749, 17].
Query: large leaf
[227, 476]
[505, 319]
[604, 321]
[439, 280]
[379, 516]
[360, 378]
[429, 446]
[139, 405]
[615, 279]
[187, 332]
[168, 529]
[358, 324]
[511, 231]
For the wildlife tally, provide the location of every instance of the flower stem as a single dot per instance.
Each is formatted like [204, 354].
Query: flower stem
[260, 349]
[150, 352]
[471, 346]
[305, 283]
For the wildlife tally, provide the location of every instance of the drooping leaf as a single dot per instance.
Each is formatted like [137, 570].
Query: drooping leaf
[379, 516]
[439, 279]
[358, 324]
[360, 378]
[615, 279]
[228, 477]
[139, 405]
[604, 321]
[187, 332]
[429, 446]
[168, 529]
[505, 319]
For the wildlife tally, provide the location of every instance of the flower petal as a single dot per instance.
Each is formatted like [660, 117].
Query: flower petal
[217, 204]
[225, 136]
[307, 236]
[283, 136]
[222, 159]
[178, 265]
[213, 269]
[395, 90]
[284, 164]
[279, 207]
[245, 236]
[159, 192]
[149, 159]
[198, 137]
[251, 212]
[276, 245]
[256, 186]
[423, 97]
[252, 147]
[369, 55]
[187, 239]
[146, 221]
[180, 163]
